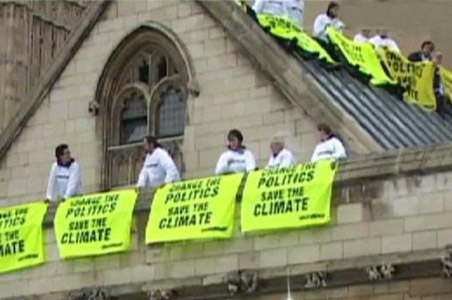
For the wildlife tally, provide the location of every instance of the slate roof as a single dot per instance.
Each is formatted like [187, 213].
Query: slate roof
[392, 122]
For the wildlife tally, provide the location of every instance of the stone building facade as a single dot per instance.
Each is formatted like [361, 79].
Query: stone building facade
[188, 71]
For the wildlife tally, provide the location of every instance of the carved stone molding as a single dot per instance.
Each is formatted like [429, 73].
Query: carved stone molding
[315, 280]
[161, 294]
[242, 283]
[446, 262]
[90, 294]
[379, 273]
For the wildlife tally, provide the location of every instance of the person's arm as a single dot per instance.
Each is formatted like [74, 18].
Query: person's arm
[51, 186]
[167, 163]
[250, 162]
[222, 165]
[320, 26]
[74, 179]
[339, 150]
[258, 6]
[143, 177]
[414, 57]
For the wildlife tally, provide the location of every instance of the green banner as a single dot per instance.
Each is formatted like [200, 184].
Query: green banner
[21, 242]
[361, 56]
[415, 77]
[288, 198]
[194, 209]
[95, 224]
[285, 28]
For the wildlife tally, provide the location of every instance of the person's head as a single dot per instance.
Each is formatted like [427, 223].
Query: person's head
[384, 33]
[277, 144]
[151, 143]
[427, 48]
[324, 131]
[333, 10]
[235, 139]
[63, 154]
[366, 32]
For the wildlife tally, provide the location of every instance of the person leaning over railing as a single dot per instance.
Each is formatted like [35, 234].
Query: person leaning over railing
[280, 157]
[65, 178]
[292, 9]
[382, 40]
[330, 147]
[158, 168]
[237, 158]
[363, 36]
[330, 18]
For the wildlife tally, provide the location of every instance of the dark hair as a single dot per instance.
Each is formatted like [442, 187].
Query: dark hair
[237, 134]
[425, 43]
[331, 5]
[325, 128]
[150, 139]
[59, 150]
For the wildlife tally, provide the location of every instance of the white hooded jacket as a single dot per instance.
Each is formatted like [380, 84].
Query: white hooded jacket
[380, 42]
[283, 159]
[64, 181]
[321, 24]
[331, 148]
[238, 161]
[292, 9]
[158, 169]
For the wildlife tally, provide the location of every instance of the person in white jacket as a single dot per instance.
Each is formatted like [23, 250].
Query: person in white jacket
[363, 36]
[330, 147]
[382, 40]
[280, 157]
[330, 18]
[65, 177]
[237, 158]
[158, 168]
[292, 9]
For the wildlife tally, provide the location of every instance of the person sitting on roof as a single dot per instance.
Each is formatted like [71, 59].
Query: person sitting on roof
[330, 18]
[330, 147]
[292, 9]
[364, 36]
[382, 40]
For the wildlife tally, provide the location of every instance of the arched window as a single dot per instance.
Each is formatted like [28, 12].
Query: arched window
[143, 90]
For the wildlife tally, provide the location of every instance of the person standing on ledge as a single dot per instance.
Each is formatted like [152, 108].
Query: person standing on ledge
[281, 157]
[237, 158]
[158, 168]
[330, 147]
[65, 177]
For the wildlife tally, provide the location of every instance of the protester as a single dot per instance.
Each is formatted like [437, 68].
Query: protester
[426, 53]
[65, 177]
[292, 9]
[382, 40]
[330, 18]
[364, 36]
[330, 147]
[158, 168]
[237, 158]
[280, 157]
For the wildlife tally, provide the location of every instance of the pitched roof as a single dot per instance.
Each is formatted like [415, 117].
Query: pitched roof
[392, 122]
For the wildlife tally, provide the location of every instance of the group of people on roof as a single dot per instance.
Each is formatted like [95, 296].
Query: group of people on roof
[65, 178]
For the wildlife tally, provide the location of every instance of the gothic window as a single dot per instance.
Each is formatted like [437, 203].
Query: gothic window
[144, 91]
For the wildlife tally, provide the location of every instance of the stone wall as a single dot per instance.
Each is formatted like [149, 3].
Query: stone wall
[378, 217]
[233, 94]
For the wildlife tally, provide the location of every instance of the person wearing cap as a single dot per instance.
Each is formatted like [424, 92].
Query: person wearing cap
[330, 147]
[330, 18]
[280, 157]
[65, 178]
[237, 158]
[291, 9]
[158, 168]
[382, 40]
[363, 36]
